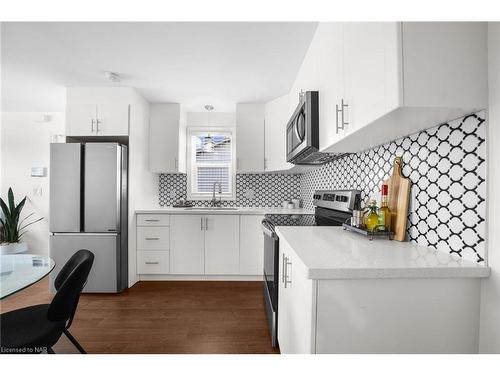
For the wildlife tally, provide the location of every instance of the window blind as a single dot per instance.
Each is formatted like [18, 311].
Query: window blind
[211, 163]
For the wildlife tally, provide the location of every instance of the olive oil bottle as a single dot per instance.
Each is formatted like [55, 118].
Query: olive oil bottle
[371, 220]
[384, 214]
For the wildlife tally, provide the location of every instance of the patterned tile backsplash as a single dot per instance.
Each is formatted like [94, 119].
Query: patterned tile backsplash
[252, 190]
[447, 167]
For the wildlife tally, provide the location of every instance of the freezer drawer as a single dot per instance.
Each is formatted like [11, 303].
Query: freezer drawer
[104, 275]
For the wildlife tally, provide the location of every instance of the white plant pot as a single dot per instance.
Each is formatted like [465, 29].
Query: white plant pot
[13, 248]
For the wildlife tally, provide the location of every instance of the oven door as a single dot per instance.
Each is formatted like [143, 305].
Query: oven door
[271, 265]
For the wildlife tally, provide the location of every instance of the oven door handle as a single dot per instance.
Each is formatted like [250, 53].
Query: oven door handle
[267, 230]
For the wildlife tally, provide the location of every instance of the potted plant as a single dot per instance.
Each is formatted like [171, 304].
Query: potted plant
[11, 228]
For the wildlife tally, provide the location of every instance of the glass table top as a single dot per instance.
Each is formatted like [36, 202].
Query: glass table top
[18, 271]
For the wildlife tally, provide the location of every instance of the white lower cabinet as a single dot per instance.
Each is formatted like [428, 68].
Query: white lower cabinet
[296, 305]
[251, 245]
[357, 316]
[187, 244]
[153, 262]
[222, 250]
[199, 245]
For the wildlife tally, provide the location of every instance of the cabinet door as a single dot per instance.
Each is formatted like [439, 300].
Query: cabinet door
[277, 114]
[296, 305]
[222, 245]
[251, 245]
[250, 137]
[113, 112]
[81, 112]
[322, 70]
[283, 306]
[187, 244]
[372, 71]
[164, 138]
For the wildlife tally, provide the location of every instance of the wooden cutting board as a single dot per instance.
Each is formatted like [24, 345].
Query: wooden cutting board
[399, 199]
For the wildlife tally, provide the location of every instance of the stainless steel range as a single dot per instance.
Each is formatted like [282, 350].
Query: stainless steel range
[332, 208]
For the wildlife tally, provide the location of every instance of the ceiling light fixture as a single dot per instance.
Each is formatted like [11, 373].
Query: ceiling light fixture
[113, 77]
[209, 107]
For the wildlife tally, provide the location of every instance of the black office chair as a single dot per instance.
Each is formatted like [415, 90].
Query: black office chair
[29, 329]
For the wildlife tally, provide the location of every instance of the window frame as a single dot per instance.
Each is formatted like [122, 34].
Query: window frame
[191, 170]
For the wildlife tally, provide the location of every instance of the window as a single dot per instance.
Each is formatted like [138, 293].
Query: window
[211, 161]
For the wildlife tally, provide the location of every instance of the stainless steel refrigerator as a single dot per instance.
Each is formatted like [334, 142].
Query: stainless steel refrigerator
[88, 210]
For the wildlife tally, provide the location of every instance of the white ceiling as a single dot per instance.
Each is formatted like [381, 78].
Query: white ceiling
[190, 63]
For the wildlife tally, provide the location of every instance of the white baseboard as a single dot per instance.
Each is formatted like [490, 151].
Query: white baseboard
[201, 277]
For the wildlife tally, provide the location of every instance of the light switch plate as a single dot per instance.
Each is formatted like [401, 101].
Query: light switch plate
[38, 172]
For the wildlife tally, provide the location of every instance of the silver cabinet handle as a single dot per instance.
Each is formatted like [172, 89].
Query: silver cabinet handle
[283, 269]
[97, 122]
[287, 263]
[152, 220]
[152, 262]
[91, 125]
[152, 238]
[343, 123]
[201, 223]
[206, 223]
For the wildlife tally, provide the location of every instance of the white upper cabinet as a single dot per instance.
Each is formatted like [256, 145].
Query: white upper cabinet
[250, 137]
[167, 138]
[98, 111]
[322, 70]
[277, 114]
[401, 78]
[379, 81]
[371, 74]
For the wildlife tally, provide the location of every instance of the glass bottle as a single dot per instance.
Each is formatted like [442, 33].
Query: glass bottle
[371, 220]
[384, 215]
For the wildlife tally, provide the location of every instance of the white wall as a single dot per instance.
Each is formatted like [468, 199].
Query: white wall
[489, 339]
[143, 185]
[25, 143]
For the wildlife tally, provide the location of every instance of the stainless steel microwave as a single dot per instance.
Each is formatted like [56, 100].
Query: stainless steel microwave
[302, 132]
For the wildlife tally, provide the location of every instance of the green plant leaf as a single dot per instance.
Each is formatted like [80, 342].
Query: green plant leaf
[19, 208]
[27, 225]
[10, 196]
[5, 209]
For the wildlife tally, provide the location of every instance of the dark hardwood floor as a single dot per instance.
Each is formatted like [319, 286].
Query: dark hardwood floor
[164, 317]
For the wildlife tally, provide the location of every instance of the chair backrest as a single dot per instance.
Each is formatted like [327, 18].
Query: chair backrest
[69, 284]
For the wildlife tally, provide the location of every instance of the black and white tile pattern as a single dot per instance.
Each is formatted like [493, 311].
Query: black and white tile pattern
[447, 166]
[252, 190]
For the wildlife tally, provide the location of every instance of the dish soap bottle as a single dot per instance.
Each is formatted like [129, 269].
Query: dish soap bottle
[384, 215]
[371, 220]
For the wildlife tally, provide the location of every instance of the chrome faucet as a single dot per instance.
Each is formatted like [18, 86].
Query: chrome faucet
[214, 201]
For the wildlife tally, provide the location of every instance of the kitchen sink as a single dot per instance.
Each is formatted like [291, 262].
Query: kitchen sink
[211, 208]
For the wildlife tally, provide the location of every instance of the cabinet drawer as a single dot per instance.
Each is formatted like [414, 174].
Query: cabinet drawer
[153, 220]
[153, 262]
[153, 238]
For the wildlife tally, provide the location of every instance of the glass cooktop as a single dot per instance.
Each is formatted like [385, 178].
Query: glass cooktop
[300, 220]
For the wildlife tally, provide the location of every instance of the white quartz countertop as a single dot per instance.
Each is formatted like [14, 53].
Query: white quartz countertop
[333, 253]
[225, 211]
